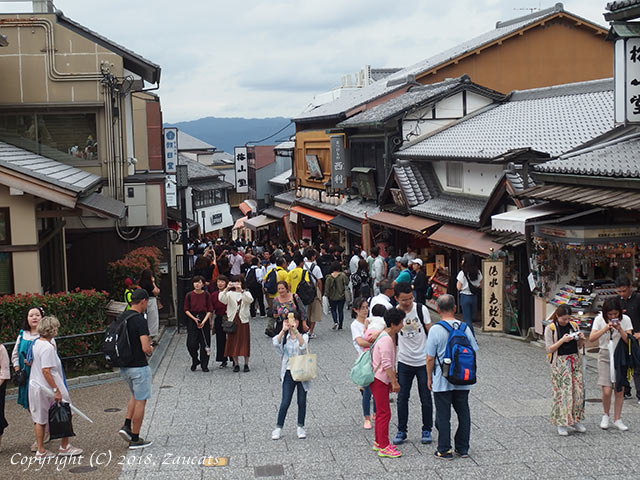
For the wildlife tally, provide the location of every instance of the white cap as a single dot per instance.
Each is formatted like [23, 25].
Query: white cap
[417, 260]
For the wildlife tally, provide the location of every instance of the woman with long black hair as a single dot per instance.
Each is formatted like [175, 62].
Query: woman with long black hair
[469, 280]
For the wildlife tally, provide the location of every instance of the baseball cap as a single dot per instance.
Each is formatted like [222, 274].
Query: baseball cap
[139, 294]
[417, 260]
[404, 261]
[398, 259]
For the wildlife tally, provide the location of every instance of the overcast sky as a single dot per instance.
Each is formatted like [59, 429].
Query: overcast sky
[266, 58]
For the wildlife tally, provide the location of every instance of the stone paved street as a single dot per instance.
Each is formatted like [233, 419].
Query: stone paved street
[225, 414]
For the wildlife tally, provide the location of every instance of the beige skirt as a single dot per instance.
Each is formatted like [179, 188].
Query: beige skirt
[604, 368]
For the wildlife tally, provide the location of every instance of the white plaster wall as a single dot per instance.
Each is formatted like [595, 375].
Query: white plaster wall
[478, 178]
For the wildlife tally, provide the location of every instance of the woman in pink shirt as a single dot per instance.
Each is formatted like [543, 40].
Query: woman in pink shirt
[383, 360]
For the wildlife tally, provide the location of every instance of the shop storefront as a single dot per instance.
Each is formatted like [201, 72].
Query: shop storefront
[578, 266]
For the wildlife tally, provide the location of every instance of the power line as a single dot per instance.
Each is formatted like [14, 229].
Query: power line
[272, 135]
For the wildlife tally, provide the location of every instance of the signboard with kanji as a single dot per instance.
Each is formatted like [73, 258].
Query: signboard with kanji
[170, 149]
[242, 169]
[338, 163]
[492, 295]
[627, 80]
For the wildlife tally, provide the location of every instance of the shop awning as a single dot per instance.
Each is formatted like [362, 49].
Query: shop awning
[464, 238]
[275, 212]
[240, 223]
[323, 217]
[103, 205]
[516, 220]
[261, 221]
[246, 207]
[410, 223]
[348, 224]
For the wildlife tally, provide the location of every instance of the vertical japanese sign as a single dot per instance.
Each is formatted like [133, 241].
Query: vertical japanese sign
[627, 80]
[493, 296]
[242, 170]
[170, 162]
[338, 163]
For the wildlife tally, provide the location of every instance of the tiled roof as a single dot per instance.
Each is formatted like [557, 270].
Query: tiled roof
[195, 169]
[553, 120]
[380, 73]
[414, 98]
[43, 168]
[282, 179]
[418, 181]
[618, 158]
[286, 197]
[620, 4]
[516, 181]
[357, 208]
[456, 208]
[288, 145]
[349, 100]
[188, 142]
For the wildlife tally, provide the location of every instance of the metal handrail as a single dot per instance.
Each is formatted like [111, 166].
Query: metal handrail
[67, 337]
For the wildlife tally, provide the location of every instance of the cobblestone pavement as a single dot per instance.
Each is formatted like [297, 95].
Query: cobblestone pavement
[226, 414]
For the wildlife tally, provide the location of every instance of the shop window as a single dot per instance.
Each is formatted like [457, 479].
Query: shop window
[315, 172]
[369, 155]
[454, 175]
[209, 197]
[62, 136]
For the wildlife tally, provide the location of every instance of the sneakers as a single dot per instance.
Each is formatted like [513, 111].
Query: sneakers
[376, 447]
[301, 433]
[275, 435]
[579, 427]
[236, 368]
[562, 431]
[390, 452]
[70, 451]
[399, 438]
[446, 455]
[45, 454]
[126, 433]
[223, 365]
[334, 327]
[246, 368]
[620, 426]
[426, 437]
[367, 424]
[462, 455]
[312, 335]
[604, 423]
[140, 443]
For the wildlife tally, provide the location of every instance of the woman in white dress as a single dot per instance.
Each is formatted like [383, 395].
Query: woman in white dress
[46, 371]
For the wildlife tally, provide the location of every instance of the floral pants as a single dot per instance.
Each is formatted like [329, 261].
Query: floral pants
[568, 390]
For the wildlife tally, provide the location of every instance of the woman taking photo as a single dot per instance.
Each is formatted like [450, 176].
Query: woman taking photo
[608, 329]
[290, 343]
[468, 283]
[361, 280]
[564, 341]
[149, 284]
[46, 373]
[335, 287]
[358, 327]
[219, 310]
[285, 303]
[238, 302]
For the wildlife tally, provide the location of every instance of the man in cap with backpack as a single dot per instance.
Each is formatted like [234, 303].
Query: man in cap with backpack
[135, 369]
[451, 370]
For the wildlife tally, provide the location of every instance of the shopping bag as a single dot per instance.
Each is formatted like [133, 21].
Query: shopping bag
[326, 309]
[60, 420]
[303, 367]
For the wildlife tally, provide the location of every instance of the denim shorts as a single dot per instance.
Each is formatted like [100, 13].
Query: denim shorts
[139, 380]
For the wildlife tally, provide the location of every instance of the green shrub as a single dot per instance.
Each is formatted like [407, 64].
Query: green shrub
[131, 266]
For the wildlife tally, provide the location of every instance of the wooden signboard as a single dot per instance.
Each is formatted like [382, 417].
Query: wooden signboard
[493, 296]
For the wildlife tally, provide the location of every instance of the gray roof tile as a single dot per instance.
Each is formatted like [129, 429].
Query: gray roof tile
[51, 171]
[619, 158]
[418, 181]
[197, 170]
[620, 4]
[459, 208]
[551, 119]
[189, 142]
[351, 99]
[358, 207]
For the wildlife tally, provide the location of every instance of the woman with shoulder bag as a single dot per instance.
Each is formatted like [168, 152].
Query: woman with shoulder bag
[335, 287]
[238, 302]
[23, 346]
[564, 341]
[290, 343]
[468, 283]
[219, 311]
[286, 302]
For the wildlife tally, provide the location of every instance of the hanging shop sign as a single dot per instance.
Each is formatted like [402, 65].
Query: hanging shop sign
[293, 216]
[171, 191]
[493, 296]
[591, 234]
[170, 149]
[338, 163]
[627, 80]
[242, 169]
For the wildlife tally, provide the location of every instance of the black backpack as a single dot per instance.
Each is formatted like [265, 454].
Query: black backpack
[250, 279]
[116, 346]
[306, 288]
[271, 281]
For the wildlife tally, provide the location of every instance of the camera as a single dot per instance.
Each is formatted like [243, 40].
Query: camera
[615, 321]
[574, 335]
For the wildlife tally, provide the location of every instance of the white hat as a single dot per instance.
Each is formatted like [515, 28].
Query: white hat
[417, 260]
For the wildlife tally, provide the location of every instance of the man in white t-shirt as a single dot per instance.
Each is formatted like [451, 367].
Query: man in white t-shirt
[468, 300]
[314, 311]
[384, 297]
[412, 360]
[376, 269]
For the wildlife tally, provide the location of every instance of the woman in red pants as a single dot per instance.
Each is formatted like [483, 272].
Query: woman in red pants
[383, 362]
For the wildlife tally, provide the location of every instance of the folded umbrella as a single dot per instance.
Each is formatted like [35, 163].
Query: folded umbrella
[50, 392]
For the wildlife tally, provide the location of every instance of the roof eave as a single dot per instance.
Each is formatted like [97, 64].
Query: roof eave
[627, 13]
[584, 180]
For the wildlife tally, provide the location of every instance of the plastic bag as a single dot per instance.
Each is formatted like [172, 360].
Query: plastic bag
[325, 305]
[60, 420]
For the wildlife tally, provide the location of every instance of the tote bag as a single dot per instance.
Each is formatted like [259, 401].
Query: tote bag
[303, 367]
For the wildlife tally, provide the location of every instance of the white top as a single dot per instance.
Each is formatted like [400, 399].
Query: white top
[44, 356]
[353, 264]
[462, 278]
[291, 349]
[412, 339]
[27, 335]
[377, 269]
[230, 299]
[316, 272]
[260, 273]
[357, 330]
[236, 262]
[381, 298]
[5, 373]
[599, 323]
[377, 323]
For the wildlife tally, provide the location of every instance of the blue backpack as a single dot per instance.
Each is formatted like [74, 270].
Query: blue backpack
[459, 355]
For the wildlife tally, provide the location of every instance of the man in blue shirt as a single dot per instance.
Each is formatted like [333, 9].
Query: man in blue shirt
[445, 394]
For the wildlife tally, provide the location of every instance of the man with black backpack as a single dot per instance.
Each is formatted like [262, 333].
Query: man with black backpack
[451, 370]
[253, 281]
[314, 309]
[135, 370]
[412, 341]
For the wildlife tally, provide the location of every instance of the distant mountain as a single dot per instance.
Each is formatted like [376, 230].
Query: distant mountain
[226, 133]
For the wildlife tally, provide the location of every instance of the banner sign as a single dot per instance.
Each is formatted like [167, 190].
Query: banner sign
[171, 191]
[170, 149]
[492, 295]
[242, 171]
[338, 163]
